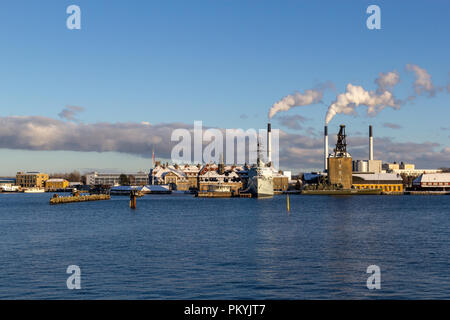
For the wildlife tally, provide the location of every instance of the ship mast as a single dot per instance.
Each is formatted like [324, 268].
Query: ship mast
[258, 150]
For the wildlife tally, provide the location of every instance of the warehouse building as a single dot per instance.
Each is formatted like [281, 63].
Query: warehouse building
[56, 184]
[433, 182]
[388, 182]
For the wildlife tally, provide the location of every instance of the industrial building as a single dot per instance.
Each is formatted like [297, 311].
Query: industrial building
[373, 166]
[388, 182]
[370, 165]
[340, 163]
[433, 182]
[408, 169]
[358, 174]
[31, 179]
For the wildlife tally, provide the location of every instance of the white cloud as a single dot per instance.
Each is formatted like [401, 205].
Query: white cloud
[423, 82]
[69, 112]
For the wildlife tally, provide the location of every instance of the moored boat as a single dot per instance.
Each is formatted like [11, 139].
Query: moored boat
[34, 190]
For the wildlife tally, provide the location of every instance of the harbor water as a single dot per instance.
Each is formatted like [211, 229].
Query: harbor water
[181, 247]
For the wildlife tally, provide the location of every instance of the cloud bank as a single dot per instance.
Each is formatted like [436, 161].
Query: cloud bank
[297, 151]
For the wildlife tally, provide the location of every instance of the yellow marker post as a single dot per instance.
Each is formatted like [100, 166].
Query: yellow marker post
[287, 202]
[133, 199]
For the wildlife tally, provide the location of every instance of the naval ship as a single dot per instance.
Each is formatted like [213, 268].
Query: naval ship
[260, 179]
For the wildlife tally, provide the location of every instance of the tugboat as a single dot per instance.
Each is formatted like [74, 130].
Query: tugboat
[260, 179]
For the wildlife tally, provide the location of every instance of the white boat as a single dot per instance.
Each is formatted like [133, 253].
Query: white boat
[34, 190]
[8, 188]
[260, 179]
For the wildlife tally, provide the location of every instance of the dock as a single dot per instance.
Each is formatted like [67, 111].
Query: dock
[425, 192]
[343, 192]
[94, 197]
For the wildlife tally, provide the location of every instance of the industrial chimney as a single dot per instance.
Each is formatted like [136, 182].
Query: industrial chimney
[370, 143]
[325, 148]
[269, 143]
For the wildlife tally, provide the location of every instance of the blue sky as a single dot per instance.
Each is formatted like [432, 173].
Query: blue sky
[222, 62]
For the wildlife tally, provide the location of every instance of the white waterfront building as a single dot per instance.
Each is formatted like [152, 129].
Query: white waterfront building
[111, 179]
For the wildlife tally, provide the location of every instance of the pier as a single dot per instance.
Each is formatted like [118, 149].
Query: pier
[427, 192]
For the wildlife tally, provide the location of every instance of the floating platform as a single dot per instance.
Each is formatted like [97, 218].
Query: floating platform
[94, 197]
[346, 192]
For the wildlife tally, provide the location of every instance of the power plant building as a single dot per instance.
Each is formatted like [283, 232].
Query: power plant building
[372, 166]
[340, 163]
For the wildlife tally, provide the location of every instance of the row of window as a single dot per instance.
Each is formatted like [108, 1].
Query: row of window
[436, 183]
[384, 187]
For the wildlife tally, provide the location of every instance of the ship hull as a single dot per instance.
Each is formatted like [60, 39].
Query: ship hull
[34, 190]
[261, 187]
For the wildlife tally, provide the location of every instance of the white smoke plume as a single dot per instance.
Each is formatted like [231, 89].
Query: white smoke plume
[298, 99]
[423, 82]
[387, 81]
[355, 96]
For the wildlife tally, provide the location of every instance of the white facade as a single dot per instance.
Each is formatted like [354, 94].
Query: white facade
[111, 179]
[416, 172]
[374, 166]
[288, 174]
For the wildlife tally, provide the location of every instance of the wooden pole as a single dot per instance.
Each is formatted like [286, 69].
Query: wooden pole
[133, 199]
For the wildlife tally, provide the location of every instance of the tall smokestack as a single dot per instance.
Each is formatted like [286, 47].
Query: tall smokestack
[325, 148]
[370, 143]
[269, 142]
